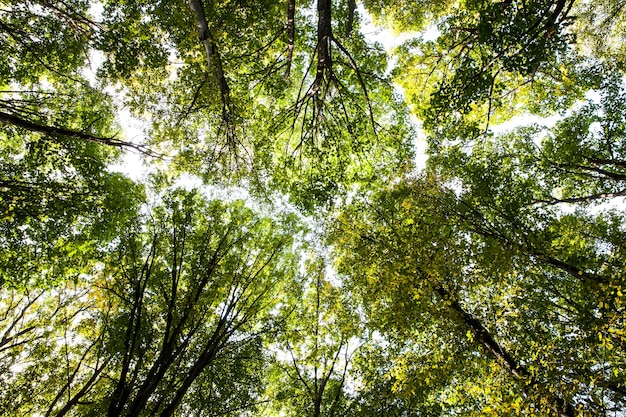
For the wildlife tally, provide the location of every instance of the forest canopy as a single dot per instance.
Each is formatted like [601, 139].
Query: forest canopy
[290, 249]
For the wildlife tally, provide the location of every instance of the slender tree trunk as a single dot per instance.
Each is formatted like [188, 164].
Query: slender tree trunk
[583, 199]
[83, 391]
[122, 390]
[616, 176]
[152, 380]
[204, 33]
[557, 16]
[317, 405]
[214, 60]
[59, 131]
[207, 356]
[291, 34]
[482, 335]
[203, 361]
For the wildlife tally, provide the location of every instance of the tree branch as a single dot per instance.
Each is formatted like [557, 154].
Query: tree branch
[55, 131]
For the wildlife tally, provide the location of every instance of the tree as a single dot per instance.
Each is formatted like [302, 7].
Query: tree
[244, 98]
[53, 350]
[450, 280]
[212, 298]
[346, 283]
[58, 203]
[311, 373]
[175, 305]
[58, 200]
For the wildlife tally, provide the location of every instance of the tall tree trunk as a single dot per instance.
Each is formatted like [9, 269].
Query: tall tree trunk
[324, 38]
[207, 356]
[131, 338]
[214, 60]
[152, 380]
[350, 23]
[203, 361]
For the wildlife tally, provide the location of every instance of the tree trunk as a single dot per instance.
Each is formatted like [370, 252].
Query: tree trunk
[59, 131]
[214, 60]
[207, 356]
[291, 34]
[350, 23]
[324, 37]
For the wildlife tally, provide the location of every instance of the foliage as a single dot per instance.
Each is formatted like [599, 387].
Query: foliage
[181, 302]
[315, 351]
[517, 301]
[345, 282]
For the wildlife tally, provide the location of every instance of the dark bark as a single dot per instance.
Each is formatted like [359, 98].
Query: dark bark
[6, 337]
[603, 161]
[291, 34]
[19, 185]
[6, 340]
[123, 389]
[616, 176]
[166, 358]
[583, 199]
[324, 39]
[207, 356]
[55, 131]
[130, 401]
[572, 270]
[84, 390]
[483, 336]
[78, 21]
[558, 15]
[621, 390]
[350, 23]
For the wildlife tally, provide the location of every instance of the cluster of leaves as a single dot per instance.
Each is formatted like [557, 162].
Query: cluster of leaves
[347, 284]
[474, 299]
[180, 304]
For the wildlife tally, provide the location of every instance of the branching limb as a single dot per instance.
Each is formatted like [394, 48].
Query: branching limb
[55, 131]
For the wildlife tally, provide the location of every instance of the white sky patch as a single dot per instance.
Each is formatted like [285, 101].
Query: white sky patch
[96, 9]
[96, 58]
[548, 122]
[224, 193]
[132, 164]
[525, 120]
